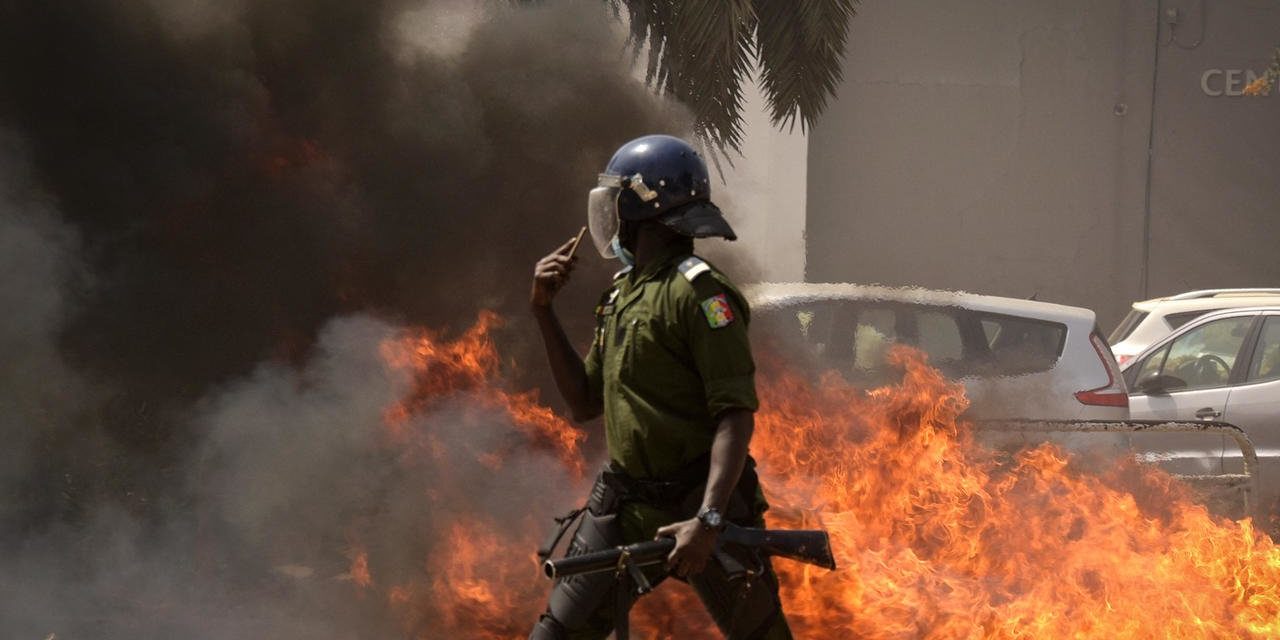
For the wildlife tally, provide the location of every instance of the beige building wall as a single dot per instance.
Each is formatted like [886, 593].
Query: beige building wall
[763, 195]
[1001, 146]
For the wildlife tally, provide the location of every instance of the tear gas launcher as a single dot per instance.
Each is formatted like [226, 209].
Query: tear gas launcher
[810, 547]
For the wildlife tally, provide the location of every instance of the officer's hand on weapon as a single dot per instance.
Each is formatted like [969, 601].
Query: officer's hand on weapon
[694, 544]
[552, 273]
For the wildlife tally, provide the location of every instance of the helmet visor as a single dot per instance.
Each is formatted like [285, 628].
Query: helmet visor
[602, 214]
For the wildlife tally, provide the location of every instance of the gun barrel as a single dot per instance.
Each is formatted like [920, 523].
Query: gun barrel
[641, 554]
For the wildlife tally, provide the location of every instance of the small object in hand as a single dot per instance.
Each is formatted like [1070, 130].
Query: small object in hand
[573, 248]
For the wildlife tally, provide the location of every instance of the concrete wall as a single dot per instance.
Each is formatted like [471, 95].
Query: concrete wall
[763, 195]
[1215, 191]
[1000, 146]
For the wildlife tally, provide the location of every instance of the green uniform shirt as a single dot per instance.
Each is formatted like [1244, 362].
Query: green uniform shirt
[670, 355]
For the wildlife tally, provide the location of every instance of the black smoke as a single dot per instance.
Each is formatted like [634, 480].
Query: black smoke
[239, 182]
[191, 191]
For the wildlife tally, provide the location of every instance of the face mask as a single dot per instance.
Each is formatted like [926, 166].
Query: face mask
[602, 208]
[626, 257]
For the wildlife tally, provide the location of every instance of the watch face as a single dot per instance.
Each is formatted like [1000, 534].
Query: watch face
[711, 518]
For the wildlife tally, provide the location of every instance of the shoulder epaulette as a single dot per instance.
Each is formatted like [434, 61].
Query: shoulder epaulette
[692, 267]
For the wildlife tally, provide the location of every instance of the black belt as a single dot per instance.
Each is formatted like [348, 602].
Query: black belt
[670, 493]
[659, 493]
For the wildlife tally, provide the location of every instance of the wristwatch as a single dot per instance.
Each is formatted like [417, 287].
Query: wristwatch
[711, 519]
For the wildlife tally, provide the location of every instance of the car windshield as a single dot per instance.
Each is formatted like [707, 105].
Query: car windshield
[852, 337]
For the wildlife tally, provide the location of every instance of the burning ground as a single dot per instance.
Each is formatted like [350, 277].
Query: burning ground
[396, 484]
[936, 537]
[436, 480]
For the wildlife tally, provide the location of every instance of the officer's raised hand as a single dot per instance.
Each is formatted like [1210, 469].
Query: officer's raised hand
[551, 273]
[694, 544]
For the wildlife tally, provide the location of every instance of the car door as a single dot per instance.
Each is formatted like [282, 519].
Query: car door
[1202, 361]
[1254, 406]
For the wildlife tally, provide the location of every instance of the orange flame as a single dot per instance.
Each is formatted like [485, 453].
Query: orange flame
[939, 538]
[469, 365]
[936, 537]
[359, 571]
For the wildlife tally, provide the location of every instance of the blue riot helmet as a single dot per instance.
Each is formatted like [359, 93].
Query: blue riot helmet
[654, 177]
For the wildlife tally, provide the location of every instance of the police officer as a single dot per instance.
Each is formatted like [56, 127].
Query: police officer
[671, 370]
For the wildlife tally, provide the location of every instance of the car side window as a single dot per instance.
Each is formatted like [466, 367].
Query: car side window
[1126, 327]
[1266, 356]
[800, 332]
[1149, 367]
[939, 336]
[1021, 345]
[1176, 320]
[875, 331]
[1203, 357]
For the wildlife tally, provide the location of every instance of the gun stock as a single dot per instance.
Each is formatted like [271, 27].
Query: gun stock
[807, 546]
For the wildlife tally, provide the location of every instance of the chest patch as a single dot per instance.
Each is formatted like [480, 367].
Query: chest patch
[719, 313]
[605, 308]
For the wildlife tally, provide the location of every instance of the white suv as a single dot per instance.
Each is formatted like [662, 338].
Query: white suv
[1151, 320]
[1224, 367]
[1018, 359]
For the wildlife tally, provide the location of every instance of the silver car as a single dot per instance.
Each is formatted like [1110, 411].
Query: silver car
[1151, 320]
[1018, 359]
[1224, 366]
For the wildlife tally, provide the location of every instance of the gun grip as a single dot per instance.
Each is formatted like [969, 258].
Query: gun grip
[638, 580]
[733, 568]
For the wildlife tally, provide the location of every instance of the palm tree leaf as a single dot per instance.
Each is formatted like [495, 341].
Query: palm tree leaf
[699, 51]
[801, 45]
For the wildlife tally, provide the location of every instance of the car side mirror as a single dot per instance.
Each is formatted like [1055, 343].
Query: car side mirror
[1160, 384]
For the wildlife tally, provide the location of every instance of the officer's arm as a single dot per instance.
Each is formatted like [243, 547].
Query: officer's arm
[716, 319]
[573, 379]
[728, 457]
[722, 352]
[567, 367]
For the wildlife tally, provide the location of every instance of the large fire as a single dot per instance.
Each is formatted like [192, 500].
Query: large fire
[936, 537]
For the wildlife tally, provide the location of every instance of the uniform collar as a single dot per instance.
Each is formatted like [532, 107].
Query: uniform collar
[669, 256]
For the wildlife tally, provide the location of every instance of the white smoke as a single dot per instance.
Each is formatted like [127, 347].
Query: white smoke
[40, 393]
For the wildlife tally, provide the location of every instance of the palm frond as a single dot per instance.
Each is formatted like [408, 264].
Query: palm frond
[699, 52]
[801, 45]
